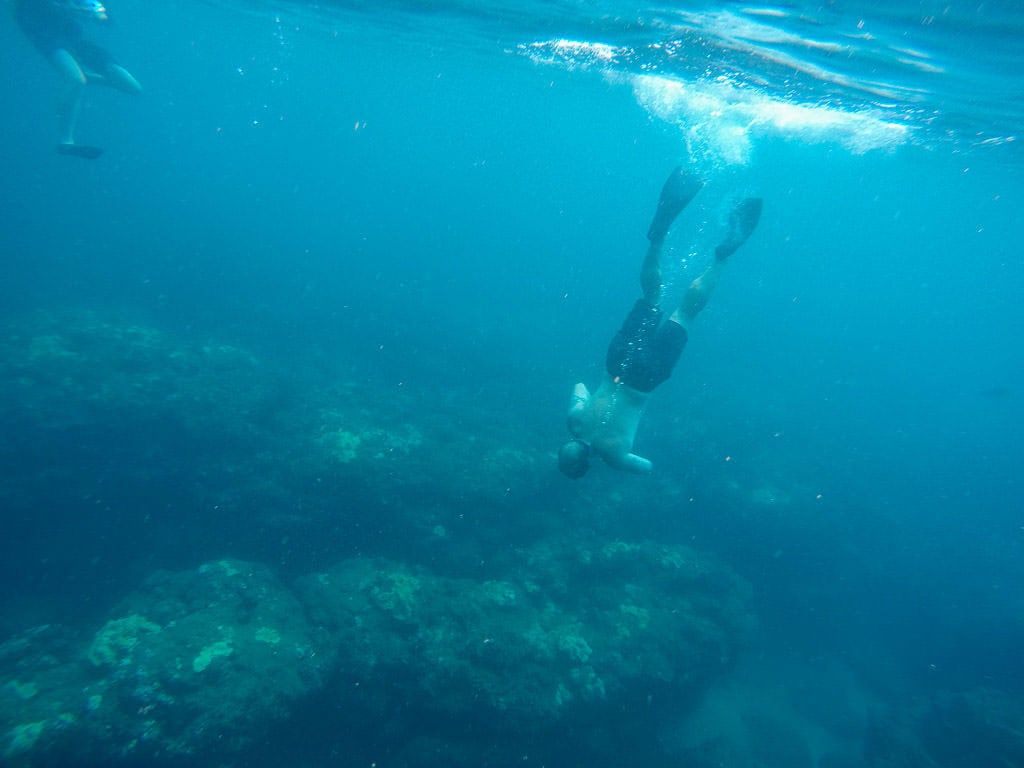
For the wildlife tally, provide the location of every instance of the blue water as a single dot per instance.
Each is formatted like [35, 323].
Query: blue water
[450, 200]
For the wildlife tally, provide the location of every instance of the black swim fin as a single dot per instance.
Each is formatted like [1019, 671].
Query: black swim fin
[79, 150]
[679, 190]
[742, 221]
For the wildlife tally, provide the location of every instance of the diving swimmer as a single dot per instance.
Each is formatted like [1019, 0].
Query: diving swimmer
[55, 29]
[644, 351]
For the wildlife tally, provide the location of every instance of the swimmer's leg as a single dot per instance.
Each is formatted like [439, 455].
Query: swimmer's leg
[120, 78]
[67, 116]
[102, 68]
[679, 189]
[71, 72]
[697, 295]
[69, 102]
[742, 222]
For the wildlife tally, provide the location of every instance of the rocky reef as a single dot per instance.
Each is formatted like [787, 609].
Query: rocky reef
[215, 557]
[190, 663]
[202, 663]
[258, 556]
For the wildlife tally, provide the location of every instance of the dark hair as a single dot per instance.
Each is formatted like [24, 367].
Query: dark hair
[574, 459]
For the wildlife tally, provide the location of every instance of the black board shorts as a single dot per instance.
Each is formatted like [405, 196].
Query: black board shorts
[645, 350]
[51, 28]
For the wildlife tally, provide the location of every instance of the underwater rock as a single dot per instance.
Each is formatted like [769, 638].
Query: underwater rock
[114, 643]
[78, 369]
[192, 662]
[40, 692]
[99, 409]
[189, 448]
[571, 630]
[200, 663]
[981, 727]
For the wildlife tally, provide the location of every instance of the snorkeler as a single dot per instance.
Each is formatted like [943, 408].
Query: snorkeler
[644, 351]
[54, 28]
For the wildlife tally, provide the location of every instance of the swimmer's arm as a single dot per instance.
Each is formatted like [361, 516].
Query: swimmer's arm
[577, 405]
[580, 396]
[630, 462]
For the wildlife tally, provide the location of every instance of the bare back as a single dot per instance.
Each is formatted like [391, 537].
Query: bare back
[608, 420]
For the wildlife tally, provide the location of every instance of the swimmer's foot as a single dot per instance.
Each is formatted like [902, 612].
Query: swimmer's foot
[742, 222]
[79, 150]
[677, 193]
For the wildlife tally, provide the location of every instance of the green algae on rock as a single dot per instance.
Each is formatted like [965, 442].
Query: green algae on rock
[231, 651]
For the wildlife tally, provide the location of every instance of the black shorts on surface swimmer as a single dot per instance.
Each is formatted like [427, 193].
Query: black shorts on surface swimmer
[645, 350]
[47, 25]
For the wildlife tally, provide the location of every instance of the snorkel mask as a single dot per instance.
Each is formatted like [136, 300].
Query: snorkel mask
[90, 9]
